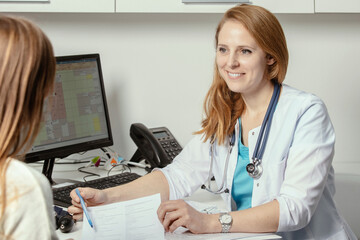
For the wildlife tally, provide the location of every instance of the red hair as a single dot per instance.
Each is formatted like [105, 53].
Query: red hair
[223, 107]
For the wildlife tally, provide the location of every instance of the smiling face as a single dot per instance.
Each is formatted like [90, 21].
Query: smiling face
[240, 60]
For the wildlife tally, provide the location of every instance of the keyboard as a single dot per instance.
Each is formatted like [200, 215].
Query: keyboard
[62, 197]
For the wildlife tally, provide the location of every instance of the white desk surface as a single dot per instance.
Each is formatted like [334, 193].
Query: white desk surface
[62, 172]
[69, 171]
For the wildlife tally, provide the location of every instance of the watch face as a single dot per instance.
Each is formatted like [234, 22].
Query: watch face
[226, 218]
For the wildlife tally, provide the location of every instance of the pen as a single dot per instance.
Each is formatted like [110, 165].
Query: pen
[84, 208]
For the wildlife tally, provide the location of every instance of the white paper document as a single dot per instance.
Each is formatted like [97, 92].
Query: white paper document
[132, 220]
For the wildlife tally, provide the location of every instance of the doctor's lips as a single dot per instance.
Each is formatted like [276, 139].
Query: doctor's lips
[234, 75]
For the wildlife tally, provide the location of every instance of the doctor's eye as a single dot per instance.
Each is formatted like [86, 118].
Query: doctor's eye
[245, 51]
[222, 49]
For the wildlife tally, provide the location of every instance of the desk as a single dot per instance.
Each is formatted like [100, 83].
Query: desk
[69, 171]
[199, 196]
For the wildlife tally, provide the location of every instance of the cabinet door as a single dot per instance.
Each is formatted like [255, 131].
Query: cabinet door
[169, 6]
[335, 6]
[59, 6]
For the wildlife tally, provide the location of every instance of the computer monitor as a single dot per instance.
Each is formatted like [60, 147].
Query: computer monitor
[75, 117]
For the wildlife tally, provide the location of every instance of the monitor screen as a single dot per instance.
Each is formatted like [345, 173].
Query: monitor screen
[75, 117]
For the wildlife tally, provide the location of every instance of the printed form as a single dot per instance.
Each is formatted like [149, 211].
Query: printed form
[134, 220]
[137, 220]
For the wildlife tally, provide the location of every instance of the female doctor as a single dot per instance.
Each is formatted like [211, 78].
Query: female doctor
[268, 145]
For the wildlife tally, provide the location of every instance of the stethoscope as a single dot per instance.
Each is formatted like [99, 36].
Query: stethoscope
[254, 168]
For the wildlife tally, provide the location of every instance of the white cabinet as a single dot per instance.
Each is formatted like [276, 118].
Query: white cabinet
[59, 6]
[287, 6]
[335, 6]
[176, 6]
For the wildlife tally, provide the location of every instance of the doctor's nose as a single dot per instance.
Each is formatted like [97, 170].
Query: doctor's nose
[232, 61]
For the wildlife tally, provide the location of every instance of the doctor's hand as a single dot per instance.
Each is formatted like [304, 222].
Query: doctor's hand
[91, 196]
[177, 213]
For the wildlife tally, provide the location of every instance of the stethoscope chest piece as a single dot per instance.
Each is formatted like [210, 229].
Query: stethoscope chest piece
[254, 170]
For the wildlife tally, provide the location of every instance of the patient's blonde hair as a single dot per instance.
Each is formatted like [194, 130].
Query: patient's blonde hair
[27, 71]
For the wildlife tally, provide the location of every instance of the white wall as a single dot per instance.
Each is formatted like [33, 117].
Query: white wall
[158, 67]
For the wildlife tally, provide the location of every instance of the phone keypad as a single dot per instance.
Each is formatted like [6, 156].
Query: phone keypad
[172, 148]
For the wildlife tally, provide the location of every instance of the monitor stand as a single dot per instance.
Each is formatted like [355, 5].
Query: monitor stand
[47, 170]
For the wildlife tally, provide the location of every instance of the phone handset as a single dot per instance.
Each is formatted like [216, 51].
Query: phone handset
[156, 145]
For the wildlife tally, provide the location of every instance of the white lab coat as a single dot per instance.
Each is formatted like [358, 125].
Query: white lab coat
[296, 165]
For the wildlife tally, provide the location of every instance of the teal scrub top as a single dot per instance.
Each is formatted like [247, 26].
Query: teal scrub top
[242, 186]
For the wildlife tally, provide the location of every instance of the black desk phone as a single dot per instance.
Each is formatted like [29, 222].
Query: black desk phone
[156, 145]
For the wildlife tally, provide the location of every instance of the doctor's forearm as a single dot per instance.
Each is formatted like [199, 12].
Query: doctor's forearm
[263, 218]
[149, 184]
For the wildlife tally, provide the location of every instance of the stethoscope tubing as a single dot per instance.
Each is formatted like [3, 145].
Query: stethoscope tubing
[262, 139]
[259, 147]
[221, 188]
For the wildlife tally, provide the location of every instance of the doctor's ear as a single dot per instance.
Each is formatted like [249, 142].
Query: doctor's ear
[270, 60]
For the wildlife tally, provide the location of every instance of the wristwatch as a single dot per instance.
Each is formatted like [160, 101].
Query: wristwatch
[226, 222]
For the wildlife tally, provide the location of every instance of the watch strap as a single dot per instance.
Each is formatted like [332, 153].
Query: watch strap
[225, 227]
